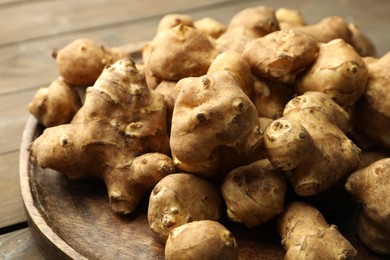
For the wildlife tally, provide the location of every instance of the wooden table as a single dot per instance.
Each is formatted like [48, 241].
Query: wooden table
[29, 30]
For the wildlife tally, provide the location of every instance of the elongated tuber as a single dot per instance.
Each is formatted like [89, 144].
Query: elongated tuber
[234, 62]
[328, 29]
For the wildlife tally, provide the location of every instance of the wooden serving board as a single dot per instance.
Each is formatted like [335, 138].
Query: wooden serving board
[73, 219]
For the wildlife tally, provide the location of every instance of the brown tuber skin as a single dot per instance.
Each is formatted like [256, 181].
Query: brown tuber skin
[210, 27]
[270, 98]
[305, 141]
[370, 186]
[81, 61]
[371, 117]
[306, 235]
[368, 157]
[236, 64]
[246, 25]
[211, 114]
[204, 239]
[361, 42]
[180, 47]
[121, 120]
[289, 19]
[55, 104]
[338, 71]
[328, 29]
[280, 55]
[260, 20]
[181, 198]
[172, 20]
[254, 193]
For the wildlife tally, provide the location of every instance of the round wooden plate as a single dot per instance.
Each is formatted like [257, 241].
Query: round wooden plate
[73, 219]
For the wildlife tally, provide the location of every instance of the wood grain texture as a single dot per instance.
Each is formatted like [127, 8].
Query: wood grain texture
[11, 210]
[13, 110]
[19, 245]
[52, 18]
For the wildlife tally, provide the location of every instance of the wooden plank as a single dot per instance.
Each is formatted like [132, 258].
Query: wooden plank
[12, 2]
[19, 244]
[13, 111]
[11, 210]
[41, 19]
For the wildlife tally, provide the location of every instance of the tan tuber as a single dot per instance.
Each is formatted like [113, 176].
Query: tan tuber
[55, 104]
[254, 193]
[281, 55]
[121, 120]
[246, 25]
[306, 141]
[370, 186]
[180, 47]
[211, 115]
[81, 61]
[371, 116]
[306, 235]
[181, 198]
[203, 239]
[338, 71]
[210, 27]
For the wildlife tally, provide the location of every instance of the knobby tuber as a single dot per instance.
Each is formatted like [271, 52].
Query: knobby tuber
[55, 104]
[371, 116]
[121, 119]
[338, 71]
[306, 235]
[370, 186]
[254, 193]
[212, 110]
[306, 141]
